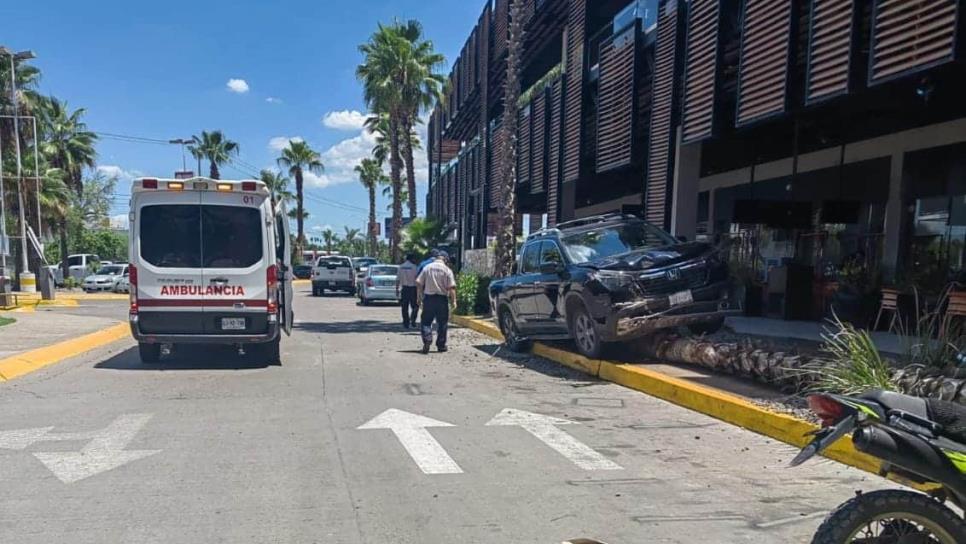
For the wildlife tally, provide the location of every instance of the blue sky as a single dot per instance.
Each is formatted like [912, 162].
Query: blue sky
[260, 71]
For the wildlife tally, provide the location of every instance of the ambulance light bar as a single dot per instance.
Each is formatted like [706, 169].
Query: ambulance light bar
[200, 186]
[175, 186]
[149, 184]
[249, 186]
[224, 187]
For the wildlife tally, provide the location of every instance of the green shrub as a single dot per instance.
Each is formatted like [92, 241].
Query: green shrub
[71, 282]
[851, 364]
[466, 289]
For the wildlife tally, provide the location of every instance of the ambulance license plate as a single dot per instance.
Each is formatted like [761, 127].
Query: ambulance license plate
[677, 299]
[233, 323]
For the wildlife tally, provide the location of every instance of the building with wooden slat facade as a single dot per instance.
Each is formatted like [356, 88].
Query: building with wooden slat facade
[809, 130]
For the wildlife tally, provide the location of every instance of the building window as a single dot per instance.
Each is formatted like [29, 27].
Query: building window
[645, 10]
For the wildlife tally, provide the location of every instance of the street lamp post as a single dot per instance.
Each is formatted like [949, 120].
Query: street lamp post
[184, 160]
[23, 55]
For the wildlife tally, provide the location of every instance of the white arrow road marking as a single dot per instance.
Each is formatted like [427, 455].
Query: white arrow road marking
[104, 452]
[545, 429]
[22, 438]
[411, 431]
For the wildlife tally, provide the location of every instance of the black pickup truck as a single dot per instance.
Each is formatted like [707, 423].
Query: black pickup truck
[610, 278]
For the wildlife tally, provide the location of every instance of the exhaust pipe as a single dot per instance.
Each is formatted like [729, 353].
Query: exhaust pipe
[911, 454]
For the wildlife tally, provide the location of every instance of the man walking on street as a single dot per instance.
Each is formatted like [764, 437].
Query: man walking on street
[436, 288]
[406, 291]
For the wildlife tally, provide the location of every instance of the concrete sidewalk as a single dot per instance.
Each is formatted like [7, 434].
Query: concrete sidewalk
[34, 330]
[806, 330]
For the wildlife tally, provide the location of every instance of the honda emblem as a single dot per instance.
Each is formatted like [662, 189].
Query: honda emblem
[673, 274]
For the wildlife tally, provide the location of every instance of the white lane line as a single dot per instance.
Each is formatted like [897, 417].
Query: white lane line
[544, 428]
[410, 430]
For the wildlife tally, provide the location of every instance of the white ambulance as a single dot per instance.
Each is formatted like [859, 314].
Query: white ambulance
[210, 263]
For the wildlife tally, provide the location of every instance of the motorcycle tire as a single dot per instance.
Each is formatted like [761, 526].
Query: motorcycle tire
[846, 522]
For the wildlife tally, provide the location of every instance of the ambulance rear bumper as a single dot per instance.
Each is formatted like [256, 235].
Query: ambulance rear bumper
[265, 331]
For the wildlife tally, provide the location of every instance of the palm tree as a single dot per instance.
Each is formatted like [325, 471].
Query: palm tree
[351, 241]
[214, 147]
[505, 236]
[370, 176]
[424, 235]
[299, 158]
[378, 126]
[382, 80]
[422, 87]
[66, 142]
[68, 147]
[330, 239]
[277, 184]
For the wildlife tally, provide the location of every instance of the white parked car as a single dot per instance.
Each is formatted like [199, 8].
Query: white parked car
[105, 279]
[380, 284]
[123, 285]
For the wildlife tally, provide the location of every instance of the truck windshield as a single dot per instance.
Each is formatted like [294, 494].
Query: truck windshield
[592, 245]
[190, 236]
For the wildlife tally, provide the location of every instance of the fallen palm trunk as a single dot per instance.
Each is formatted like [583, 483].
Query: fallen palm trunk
[788, 371]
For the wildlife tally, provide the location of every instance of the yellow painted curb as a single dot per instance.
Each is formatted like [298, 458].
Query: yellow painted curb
[92, 296]
[700, 398]
[30, 361]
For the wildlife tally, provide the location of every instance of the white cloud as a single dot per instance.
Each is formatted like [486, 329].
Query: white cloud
[239, 86]
[279, 143]
[341, 159]
[273, 100]
[344, 120]
[321, 228]
[114, 171]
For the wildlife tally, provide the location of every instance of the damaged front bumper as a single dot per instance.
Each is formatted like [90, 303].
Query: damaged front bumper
[643, 316]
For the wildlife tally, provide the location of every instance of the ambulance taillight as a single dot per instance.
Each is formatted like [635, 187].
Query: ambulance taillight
[132, 278]
[149, 184]
[271, 280]
[249, 186]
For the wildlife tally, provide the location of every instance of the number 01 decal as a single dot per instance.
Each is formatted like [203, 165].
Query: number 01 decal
[247, 199]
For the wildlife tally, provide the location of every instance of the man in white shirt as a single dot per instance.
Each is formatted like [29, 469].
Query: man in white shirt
[406, 290]
[436, 288]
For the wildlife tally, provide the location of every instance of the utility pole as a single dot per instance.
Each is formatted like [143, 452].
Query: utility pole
[4, 242]
[23, 55]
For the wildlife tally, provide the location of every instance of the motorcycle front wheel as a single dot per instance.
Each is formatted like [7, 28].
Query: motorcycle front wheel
[891, 517]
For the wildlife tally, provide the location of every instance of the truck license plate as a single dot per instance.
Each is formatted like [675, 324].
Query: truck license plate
[677, 299]
[233, 323]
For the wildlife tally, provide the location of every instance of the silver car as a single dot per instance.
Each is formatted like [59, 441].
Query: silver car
[379, 284]
[105, 279]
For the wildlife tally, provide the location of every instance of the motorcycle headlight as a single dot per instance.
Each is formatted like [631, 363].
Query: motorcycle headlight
[613, 281]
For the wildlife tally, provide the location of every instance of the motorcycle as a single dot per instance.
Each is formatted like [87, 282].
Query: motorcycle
[919, 440]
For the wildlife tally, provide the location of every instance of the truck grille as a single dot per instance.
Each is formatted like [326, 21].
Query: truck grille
[674, 280]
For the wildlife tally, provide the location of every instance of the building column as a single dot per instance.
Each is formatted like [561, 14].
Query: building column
[684, 195]
[893, 219]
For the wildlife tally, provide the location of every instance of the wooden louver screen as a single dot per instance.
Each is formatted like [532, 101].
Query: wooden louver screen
[615, 117]
[701, 64]
[763, 69]
[523, 146]
[538, 142]
[501, 27]
[662, 103]
[829, 49]
[497, 141]
[553, 153]
[573, 96]
[911, 35]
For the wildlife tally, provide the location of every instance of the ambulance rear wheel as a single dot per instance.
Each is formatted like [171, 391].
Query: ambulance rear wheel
[150, 353]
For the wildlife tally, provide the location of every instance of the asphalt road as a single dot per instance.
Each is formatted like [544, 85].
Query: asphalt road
[209, 447]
